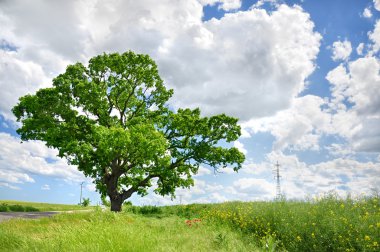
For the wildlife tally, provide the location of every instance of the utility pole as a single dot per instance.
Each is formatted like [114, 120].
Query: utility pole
[80, 199]
[277, 177]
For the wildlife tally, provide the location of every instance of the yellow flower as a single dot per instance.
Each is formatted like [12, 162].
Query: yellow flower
[375, 244]
[367, 238]
[299, 238]
[313, 235]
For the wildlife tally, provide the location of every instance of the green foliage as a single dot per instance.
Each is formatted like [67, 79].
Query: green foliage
[35, 206]
[86, 202]
[127, 203]
[4, 207]
[105, 202]
[112, 120]
[17, 208]
[144, 210]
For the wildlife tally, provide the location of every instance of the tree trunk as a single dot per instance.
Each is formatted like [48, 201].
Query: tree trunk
[116, 202]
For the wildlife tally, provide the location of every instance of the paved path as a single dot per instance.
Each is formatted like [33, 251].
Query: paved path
[32, 215]
[25, 215]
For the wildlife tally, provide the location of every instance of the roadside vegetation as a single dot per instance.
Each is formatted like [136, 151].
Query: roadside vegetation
[24, 206]
[326, 224]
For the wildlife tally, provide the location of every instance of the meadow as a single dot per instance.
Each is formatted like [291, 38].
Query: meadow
[327, 224]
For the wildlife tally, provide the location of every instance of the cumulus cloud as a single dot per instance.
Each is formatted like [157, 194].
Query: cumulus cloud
[298, 127]
[226, 5]
[240, 147]
[17, 77]
[19, 162]
[376, 4]
[359, 49]
[219, 65]
[358, 85]
[374, 36]
[341, 50]
[367, 13]
[242, 74]
[300, 180]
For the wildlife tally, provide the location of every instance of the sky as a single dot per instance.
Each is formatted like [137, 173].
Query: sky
[303, 77]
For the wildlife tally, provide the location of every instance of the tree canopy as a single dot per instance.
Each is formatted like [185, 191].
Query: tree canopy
[111, 119]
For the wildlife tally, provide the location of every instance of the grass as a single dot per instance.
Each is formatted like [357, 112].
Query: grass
[327, 224]
[24, 206]
[107, 231]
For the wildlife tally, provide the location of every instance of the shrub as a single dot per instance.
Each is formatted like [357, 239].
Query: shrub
[86, 202]
[4, 208]
[150, 210]
[16, 208]
[31, 209]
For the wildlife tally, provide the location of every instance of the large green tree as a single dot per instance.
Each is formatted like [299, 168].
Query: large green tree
[111, 120]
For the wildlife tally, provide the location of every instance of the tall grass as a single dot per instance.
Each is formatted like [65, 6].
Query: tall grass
[107, 231]
[328, 224]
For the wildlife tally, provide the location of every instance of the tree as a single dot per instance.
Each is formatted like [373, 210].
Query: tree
[86, 202]
[111, 120]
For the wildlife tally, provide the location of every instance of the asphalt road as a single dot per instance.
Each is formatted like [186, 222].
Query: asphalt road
[25, 215]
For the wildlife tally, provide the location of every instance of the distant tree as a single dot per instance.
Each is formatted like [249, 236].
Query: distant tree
[86, 202]
[111, 120]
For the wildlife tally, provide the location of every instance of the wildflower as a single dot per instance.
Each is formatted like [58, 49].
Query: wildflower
[313, 235]
[375, 244]
[367, 238]
[299, 238]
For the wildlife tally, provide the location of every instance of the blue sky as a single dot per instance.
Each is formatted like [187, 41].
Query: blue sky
[302, 76]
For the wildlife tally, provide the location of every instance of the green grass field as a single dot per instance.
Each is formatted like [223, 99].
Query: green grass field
[42, 207]
[107, 231]
[328, 224]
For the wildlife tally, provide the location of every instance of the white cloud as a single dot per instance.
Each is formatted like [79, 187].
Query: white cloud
[341, 50]
[298, 127]
[230, 4]
[374, 36]
[376, 4]
[358, 84]
[359, 49]
[202, 171]
[20, 161]
[45, 187]
[255, 187]
[17, 77]
[219, 65]
[240, 147]
[367, 13]
[298, 180]
[226, 5]
[2, 184]
[91, 187]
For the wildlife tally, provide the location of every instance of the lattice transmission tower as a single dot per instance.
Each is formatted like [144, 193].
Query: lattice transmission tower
[277, 178]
